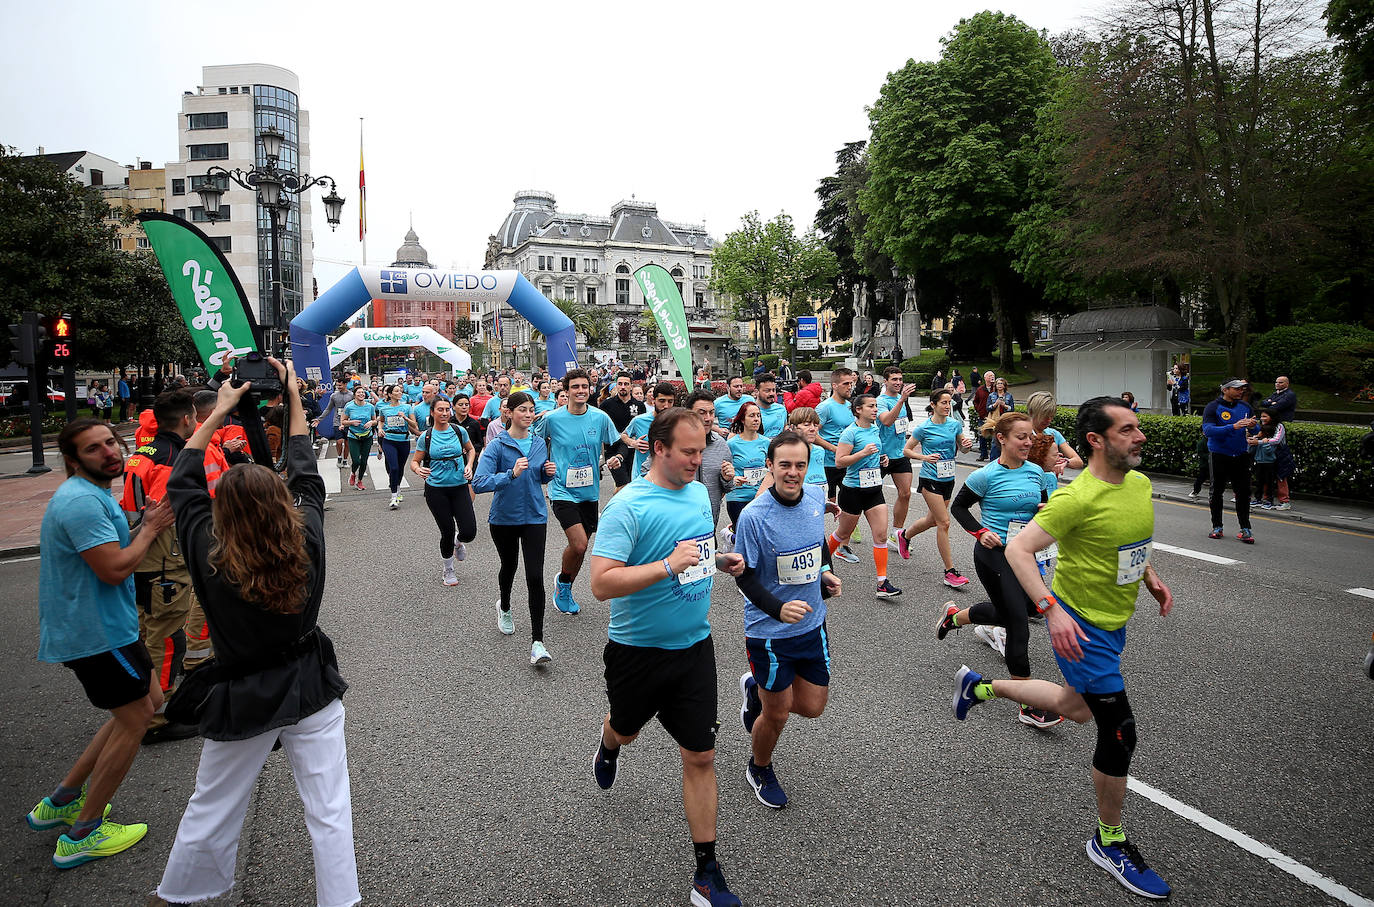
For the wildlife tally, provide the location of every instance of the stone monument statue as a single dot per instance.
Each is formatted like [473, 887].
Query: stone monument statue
[909, 321]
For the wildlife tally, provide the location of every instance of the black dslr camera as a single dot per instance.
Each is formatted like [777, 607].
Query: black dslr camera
[254, 367]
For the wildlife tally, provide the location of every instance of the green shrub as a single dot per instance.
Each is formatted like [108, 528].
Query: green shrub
[1276, 352]
[18, 426]
[1342, 364]
[1326, 457]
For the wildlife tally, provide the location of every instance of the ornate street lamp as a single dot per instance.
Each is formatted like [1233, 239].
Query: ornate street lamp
[274, 187]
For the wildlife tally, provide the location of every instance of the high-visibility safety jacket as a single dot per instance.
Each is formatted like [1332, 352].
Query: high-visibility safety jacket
[147, 471]
[216, 463]
[147, 428]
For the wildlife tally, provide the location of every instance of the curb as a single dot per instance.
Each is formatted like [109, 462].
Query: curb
[1328, 522]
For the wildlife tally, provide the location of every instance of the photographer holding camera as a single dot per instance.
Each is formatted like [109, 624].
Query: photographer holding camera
[257, 561]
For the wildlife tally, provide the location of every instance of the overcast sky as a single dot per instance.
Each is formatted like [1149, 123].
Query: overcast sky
[710, 109]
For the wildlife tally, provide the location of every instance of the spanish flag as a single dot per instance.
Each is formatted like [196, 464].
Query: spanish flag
[362, 187]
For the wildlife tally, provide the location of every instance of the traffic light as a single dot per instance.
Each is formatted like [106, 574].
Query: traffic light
[21, 342]
[59, 329]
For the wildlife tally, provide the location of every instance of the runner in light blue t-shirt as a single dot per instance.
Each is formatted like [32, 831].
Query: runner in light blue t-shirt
[934, 444]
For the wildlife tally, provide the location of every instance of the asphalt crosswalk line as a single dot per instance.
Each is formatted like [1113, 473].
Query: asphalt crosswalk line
[1197, 555]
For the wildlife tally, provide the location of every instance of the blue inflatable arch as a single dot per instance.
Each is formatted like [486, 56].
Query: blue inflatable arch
[310, 349]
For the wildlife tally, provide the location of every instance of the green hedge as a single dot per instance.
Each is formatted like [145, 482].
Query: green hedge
[1288, 351]
[1327, 457]
[1343, 364]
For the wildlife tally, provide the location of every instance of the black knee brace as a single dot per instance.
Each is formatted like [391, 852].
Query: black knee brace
[1115, 732]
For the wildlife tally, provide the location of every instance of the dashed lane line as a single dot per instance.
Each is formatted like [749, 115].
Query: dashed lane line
[1197, 555]
[1299, 871]
[1360, 590]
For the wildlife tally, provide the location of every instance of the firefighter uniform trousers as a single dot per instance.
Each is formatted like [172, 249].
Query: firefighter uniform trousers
[162, 589]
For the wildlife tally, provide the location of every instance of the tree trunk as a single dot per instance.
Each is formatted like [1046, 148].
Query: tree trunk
[1004, 357]
[1023, 337]
[1235, 319]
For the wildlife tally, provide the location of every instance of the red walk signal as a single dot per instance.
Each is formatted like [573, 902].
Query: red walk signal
[59, 347]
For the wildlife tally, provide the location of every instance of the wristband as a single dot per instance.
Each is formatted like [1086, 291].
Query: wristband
[669, 568]
[1046, 603]
[979, 533]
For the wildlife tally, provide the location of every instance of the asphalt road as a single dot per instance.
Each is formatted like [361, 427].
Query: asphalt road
[472, 783]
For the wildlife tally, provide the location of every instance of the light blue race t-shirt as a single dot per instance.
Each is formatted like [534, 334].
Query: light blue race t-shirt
[893, 437]
[575, 444]
[78, 614]
[543, 406]
[642, 525]
[395, 426]
[750, 461]
[1008, 494]
[782, 544]
[492, 409]
[815, 466]
[363, 413]
[939, 438]
[774, 419]
[446, 460]
[835, 418]
[859, 438]
[727, 408]
[639, 428]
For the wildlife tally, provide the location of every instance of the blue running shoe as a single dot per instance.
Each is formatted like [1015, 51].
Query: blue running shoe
[1246, 536]
[709, 888]
[964, 682]
[765, 784]
[604, 767]
[563, 600]
[1124, 862]
[750, 705]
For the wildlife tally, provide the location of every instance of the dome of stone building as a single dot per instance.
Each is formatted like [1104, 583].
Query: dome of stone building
[411, 254]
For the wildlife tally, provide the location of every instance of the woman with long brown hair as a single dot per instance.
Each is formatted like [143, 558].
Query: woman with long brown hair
[256, 556]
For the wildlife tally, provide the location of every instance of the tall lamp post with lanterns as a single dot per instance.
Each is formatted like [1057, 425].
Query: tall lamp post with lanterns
[274, 187]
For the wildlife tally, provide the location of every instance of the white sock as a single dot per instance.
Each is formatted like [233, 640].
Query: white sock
[448, 563]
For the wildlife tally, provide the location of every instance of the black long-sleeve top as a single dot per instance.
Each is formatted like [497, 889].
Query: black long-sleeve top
[244, 634]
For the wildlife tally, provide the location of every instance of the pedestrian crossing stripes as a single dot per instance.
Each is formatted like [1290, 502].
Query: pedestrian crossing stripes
[333, 474]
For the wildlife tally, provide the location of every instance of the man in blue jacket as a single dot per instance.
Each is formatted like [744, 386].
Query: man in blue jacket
[1226, 422]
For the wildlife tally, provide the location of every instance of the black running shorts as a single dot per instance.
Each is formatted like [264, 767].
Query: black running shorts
[570, 513]
[677, 685]
[115, 678]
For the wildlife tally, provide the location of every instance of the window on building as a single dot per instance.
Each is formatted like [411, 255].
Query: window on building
[178, 187]
[223, 243]
[207, 120]
[220, 180]
[698, 272]
[596, 266]
[701, 300]
[97, 177]
[676, 272]
[591, 295]
[622, 269]
[622, 291]
[117, 244]
[234, 89]
[679, 289]
[224, 91]
[198, 215]
[179, 212]
[547, 291]
[570, 293]
[142, 243]
[213, 152]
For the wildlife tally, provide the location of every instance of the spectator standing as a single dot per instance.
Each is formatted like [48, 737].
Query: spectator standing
[980, 409]
[1130, 401]
[1226, 422]
[938, 381]
[786, 375]
[125, 395]
[1283, 402]
[809, 392]
[999, 401]
[1273, 463]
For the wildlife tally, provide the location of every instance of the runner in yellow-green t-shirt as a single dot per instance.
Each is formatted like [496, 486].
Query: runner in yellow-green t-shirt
[1103, 523]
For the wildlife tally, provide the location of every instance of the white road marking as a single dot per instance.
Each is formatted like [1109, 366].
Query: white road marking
[20, 560]
[376, 471]
[1197, 555]
[1360, 590]
[1299, 871]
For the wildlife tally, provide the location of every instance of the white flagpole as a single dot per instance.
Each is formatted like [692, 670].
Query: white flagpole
[367, 312]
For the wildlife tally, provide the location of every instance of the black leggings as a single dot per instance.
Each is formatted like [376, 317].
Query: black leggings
[733, 509]
[452, 509]
[395, 454]
[510, 540]
[1007, 608]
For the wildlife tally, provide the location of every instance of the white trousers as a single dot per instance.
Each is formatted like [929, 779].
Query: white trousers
[201, 865]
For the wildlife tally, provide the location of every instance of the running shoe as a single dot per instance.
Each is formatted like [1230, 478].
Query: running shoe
[460, 551]
[1256, 502]
[106, 841]
[1194, 495]
[765, 784]
[400, 497]
[604, 768]
[1216, 533]
[1369, 661]
[395, 502]
[947, 622]
[846, 554]
[887, 590]
[903, 545]
[1283, 505]
[450, 577]
[563, 600]
[964, 682]
[709, 888]
[892, 542]
[857, 535]
[989, 635]
[505, 622]
[341, 462]
[48, 814]
[750, 706]
[1245, 536]
[1039, 717]
[727, 540]
[1126, 864]
[539, 656]
[954, 579]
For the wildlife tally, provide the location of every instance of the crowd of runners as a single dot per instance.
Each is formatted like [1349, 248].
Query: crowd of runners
[799, 477]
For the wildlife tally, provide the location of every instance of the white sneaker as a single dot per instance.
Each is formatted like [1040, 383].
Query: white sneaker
[395, 501]
[505, 621]
[450, 577]
[892, 541]
[727, 541]
[989, 635]
[460, 551]
[846, 554]
[1194, 495]
[539, 656]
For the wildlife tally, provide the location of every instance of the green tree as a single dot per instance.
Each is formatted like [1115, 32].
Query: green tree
[762, 261]
[950, 160]
[591, 321]
[57, 255]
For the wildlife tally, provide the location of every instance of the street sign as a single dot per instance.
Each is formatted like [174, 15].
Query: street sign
[808, 332]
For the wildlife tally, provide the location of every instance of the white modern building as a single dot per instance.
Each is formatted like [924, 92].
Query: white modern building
[592, 259]
[85, 167]
[218, 125]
